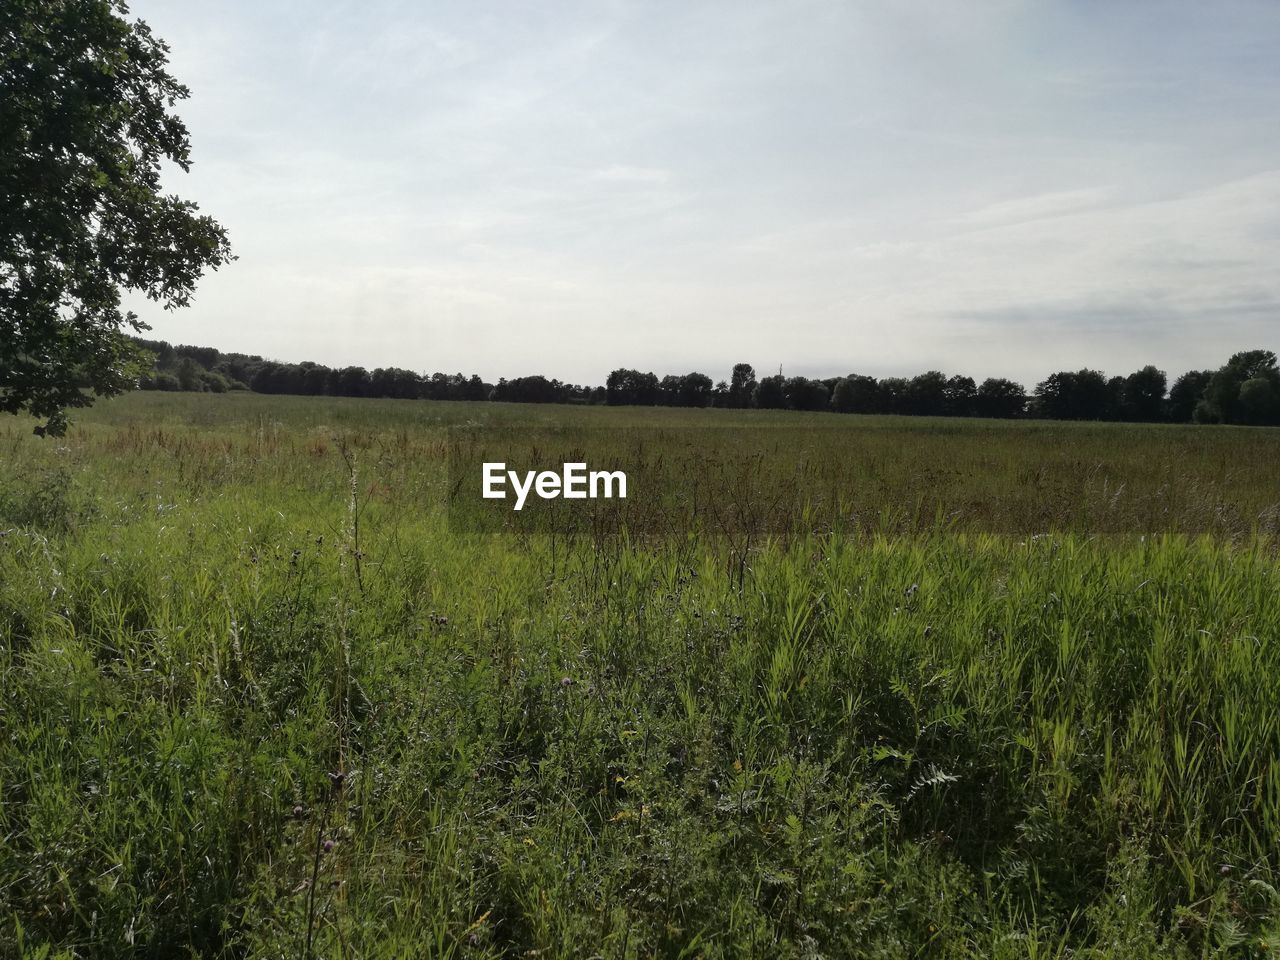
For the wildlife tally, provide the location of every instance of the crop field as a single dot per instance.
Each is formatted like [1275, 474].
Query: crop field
[266, 694]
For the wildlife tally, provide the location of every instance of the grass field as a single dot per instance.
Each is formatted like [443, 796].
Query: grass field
[262, 699]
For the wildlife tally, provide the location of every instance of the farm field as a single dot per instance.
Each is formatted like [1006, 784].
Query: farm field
[263, 696]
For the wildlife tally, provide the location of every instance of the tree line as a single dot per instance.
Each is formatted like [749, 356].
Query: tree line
[1245, 390]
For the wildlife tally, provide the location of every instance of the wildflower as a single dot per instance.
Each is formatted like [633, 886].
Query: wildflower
[297, 810]
[328, 846]
[566, 681]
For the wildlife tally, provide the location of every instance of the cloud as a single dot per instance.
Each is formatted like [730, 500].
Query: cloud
[621, 173]
[1038, 207]
[995, 187]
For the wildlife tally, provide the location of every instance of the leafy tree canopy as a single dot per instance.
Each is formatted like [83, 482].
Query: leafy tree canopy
[1186, 393]
[1223, 394]
[85, 123]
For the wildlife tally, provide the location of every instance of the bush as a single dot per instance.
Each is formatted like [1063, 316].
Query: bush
[162, 381]
[1206, 412]
[213, 382]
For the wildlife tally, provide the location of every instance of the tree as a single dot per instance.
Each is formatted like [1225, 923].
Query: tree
[188, 374]
[669, 390]
[856, 394]
[694, 390]
[926, 394]
[349, 382]
[313, 379]
[1186, 392]
[1083, 395]
[396, 383]
[742, 384]
[475, 389]
[768, 393]
[1115, 408]
[1222, 395]
[893, 392]
[1144, 394]
[959, 396]
[1259, 401]
[632, 387]
[998, 397]
[85, 122]
[534, 389]
[801, 393]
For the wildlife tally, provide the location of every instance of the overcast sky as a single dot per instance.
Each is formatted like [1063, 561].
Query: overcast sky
[993, 187]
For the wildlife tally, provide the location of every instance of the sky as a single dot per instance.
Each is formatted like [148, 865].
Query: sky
[989, 187]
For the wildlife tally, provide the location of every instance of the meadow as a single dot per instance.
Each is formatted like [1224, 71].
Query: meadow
[264, 695]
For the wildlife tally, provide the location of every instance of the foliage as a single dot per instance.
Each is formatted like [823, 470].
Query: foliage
[535, 389]
[742, 384]
[1079, 395]
[856, 394]
[1259, 400]
[770, 393]
[959, 396]
[1143, 395]
[1082, 395]
[1225, 397]
[631, 388]
[998, 397]
[924, 395]
[85, 123]
[801, 393]
[1186, 392]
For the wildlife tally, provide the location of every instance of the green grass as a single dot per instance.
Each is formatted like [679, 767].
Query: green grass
[222, 645]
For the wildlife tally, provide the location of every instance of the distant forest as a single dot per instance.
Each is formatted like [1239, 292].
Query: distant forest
[1245, 390]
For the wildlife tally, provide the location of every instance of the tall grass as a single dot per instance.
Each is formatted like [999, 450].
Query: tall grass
[260, 700]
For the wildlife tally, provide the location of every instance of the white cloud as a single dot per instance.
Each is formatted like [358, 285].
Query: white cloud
[621, 173]
[1038, 207]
